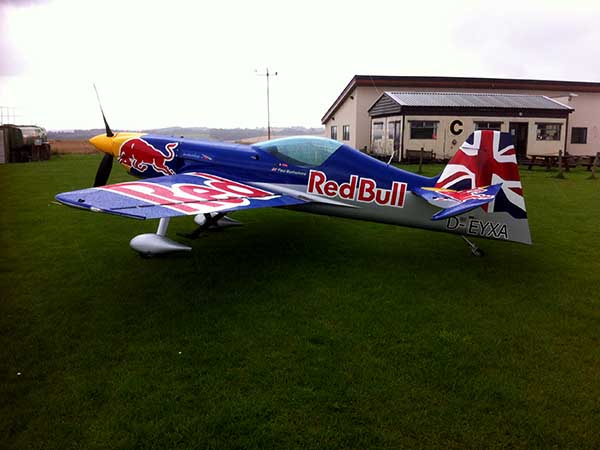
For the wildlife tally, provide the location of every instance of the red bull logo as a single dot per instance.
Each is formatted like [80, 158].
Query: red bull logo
[140, 155]
[357, 189]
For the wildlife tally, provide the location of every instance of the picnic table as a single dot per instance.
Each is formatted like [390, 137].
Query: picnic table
[588, 161]
[549, 161]
[413, 156]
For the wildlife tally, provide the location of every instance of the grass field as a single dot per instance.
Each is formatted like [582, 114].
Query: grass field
[295, 331]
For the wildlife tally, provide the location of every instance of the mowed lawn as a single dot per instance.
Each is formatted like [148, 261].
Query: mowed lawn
[295, 331]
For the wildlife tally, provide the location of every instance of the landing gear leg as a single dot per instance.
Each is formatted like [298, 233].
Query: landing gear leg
[212, 222]
[475, 251]
[163, 224]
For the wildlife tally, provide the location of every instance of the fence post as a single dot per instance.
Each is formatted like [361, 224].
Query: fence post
[560, 165]
[595, 164]
[421, 160]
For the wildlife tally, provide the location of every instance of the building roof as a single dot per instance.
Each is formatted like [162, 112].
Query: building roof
[474, 100]
[378, 81]
[394, 103]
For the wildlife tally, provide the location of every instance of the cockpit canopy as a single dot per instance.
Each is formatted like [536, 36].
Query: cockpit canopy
[305, 151]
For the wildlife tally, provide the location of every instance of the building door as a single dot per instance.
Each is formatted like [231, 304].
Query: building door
[518, 131]
[394, 137]
[397, 136]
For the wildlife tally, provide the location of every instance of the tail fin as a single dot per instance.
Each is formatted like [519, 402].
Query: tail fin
[482, 174]
[487, 158]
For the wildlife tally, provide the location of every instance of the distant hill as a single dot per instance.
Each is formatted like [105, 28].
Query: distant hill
[216, 134]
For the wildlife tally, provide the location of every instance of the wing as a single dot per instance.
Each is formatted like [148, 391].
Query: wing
[177, 195]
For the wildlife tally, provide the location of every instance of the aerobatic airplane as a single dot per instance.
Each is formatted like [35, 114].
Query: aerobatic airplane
[478, 193]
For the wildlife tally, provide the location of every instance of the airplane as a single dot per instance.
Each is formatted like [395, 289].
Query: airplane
[478, 193]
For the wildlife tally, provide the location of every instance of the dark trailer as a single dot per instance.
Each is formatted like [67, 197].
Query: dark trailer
[23, 143]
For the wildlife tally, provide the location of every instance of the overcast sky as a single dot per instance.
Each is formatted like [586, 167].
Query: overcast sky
[192, 63]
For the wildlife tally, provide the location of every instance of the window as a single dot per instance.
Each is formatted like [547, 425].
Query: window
[390, 135]
[377, 137]
[346, 133]
[377, 131]
[301, 151]
[496, 126]
[333, 132]
[423, 130]
[578, 135]
[548, 131]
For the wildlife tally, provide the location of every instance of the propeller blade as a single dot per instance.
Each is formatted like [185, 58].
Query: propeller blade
[104, 170]
[109, 132]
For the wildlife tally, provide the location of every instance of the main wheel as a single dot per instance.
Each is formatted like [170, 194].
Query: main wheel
[477, 252]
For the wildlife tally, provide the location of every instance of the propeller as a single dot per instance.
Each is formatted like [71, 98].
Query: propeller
[105, 166]
[109, 132]
[104, 170]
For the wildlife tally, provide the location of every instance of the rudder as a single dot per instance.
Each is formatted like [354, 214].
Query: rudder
[487, 158]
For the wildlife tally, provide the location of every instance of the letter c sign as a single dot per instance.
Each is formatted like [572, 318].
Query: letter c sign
[456, 127]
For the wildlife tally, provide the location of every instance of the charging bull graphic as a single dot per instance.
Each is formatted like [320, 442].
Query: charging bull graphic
[139, 155]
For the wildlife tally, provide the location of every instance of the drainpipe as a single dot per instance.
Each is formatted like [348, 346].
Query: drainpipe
[402, 140]
[566, 133]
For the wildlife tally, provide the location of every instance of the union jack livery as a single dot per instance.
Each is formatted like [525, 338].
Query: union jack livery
[478, 193]
[487, 158]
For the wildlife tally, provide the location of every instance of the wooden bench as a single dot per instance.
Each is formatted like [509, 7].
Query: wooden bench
[587, 161]
[547, 161]
[550, 161]
[414, 156]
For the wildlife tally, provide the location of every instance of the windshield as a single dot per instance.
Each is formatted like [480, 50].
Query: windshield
[304, 151]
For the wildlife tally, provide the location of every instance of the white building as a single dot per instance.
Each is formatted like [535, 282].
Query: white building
[348, 118]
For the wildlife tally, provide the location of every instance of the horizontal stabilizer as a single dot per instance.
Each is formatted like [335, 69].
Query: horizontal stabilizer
[454, 203]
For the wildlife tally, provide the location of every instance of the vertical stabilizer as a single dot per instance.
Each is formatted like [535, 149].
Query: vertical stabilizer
[487, 158]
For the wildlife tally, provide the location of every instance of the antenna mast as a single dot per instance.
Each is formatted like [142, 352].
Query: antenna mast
[267, 75]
